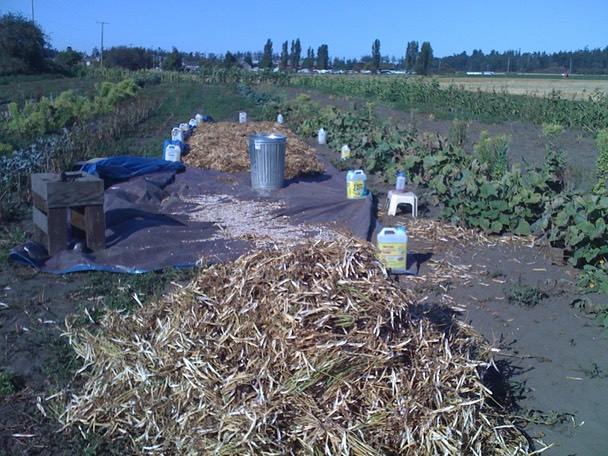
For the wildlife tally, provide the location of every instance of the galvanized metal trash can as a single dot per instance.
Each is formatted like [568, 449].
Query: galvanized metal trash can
[267, 155]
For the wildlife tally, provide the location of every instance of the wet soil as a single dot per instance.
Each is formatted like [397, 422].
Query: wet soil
[552, 356]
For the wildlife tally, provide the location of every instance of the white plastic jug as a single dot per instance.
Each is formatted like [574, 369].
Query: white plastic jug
[199, 119]
[400, 183]
[193, 123]
[392, 249]
[177, 134]
[321, 136]
[184, 126]
[280, 119]
[356, 184]
[345, 152]
[242, 117]
[173, 153]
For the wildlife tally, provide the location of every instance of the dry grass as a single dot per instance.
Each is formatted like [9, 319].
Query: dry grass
[224, 146]
[306, 351]
[569, 88]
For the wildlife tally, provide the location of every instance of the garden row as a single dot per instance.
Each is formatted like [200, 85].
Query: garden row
[478, 190]
[590, 113]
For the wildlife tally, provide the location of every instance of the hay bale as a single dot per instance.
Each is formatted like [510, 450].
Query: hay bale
[309, 350]
[224, 146]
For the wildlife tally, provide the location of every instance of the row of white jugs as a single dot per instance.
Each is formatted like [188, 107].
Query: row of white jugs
[344, 150]
[243, 118]
[173, 152]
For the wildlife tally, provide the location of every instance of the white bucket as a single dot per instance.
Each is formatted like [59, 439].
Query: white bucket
[199, 119]
[392, 249]
[242, 117]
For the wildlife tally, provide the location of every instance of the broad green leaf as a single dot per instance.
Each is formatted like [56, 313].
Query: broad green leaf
[496, 227]
[523, 228]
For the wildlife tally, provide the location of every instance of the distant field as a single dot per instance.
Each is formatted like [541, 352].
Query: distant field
[573, 87]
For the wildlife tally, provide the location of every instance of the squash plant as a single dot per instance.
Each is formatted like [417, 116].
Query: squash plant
[577, 224]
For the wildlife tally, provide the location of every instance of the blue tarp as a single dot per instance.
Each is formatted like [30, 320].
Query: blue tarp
[150, 207]
[127, 166]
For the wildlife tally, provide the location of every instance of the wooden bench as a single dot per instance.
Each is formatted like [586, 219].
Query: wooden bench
[70, 201]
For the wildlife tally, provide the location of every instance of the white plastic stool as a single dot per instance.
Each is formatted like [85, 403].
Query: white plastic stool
[394, 199]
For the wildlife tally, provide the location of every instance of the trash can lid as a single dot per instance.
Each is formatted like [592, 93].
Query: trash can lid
[269, 136]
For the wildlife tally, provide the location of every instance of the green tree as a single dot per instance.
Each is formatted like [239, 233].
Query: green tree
[411, 55]
[229, 60]
[323, 57]
[296, 52]
[22, 46]
[131, 58]
[266, 62]
[375, 63]
[69, 58]
[309, 61]
[173, 61]
[248, 59]
[425, 58]
[284, 56]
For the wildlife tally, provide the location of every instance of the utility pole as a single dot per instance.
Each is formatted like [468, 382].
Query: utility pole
[101, 59]
[33, 11]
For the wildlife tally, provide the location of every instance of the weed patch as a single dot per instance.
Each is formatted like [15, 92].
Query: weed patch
[524, 295]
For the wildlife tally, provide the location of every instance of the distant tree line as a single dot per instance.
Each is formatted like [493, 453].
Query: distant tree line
[587, 61]
[24, 50]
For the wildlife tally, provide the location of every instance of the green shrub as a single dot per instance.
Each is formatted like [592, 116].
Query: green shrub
[551, 130]
[601, 187]
[493, 152]
[458, 132]
[577, 224]
[7, 385]
[5, 149]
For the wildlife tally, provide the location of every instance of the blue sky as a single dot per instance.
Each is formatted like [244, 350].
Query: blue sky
[349, 28]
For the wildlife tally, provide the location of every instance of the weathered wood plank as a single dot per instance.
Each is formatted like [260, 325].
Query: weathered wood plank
[83, 190]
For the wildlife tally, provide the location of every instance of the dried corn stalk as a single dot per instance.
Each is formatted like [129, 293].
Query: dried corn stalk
[305, 351]
[224, 146]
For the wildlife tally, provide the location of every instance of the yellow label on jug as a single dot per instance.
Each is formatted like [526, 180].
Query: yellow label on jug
[356, 189]
[393, 255]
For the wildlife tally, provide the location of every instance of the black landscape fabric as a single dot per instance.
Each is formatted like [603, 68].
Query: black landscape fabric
[160, 220]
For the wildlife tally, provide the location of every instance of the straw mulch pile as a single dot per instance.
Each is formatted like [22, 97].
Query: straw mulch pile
[309, 350]
[224, 146]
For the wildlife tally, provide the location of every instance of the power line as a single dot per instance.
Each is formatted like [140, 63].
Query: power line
[101, 52]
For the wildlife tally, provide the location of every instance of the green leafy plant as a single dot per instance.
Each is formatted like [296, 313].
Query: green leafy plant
[551, 130]
[577, 224]
[494, 153]
[458, 132]
[601, 187]
[523, 294]
[7, 383]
